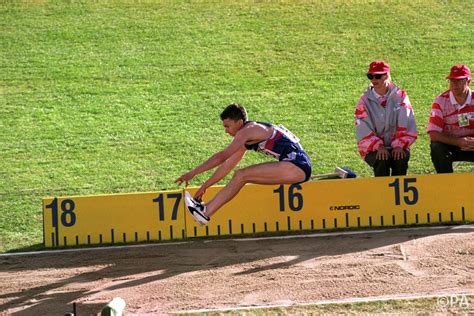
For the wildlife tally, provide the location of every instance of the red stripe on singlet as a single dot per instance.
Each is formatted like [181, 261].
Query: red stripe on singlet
[271, 141]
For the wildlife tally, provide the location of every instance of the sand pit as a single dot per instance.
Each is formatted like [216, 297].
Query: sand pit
[214, 274]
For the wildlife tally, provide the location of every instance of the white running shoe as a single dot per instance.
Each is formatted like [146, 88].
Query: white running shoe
[197, 209]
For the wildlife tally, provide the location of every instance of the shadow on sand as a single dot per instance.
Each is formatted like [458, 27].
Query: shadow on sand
[171, 259]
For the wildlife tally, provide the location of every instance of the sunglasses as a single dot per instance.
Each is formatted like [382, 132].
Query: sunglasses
[377, 76]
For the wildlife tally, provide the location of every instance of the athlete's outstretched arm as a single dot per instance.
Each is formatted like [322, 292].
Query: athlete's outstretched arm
[221, 172]
[237, 145]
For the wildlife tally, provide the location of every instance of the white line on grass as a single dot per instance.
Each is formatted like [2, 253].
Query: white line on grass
[327, 302]
[331, 234]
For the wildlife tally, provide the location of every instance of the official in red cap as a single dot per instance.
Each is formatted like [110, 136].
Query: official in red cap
[385, 123]
[459, 72]
[451, 123]
[378, 67]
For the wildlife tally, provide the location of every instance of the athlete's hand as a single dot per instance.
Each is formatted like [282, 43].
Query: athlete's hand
[198, 195]
[382, 153]
[185, 178]
[398, 153]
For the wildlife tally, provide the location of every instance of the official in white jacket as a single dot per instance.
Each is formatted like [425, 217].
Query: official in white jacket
[385, 123]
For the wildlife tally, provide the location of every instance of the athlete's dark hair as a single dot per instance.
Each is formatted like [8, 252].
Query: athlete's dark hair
[234, 111]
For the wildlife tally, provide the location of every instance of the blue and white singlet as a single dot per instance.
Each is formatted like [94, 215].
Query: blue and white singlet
[284, 146]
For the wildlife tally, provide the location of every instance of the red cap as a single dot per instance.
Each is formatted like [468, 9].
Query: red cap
[378, 67]
[459, 72]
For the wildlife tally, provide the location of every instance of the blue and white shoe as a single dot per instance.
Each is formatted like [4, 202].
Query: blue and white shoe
[197, 209]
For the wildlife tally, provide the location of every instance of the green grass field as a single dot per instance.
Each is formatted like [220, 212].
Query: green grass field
[124, 96]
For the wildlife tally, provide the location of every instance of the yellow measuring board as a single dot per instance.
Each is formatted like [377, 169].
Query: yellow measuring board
[115, 218]
[317, 205]
[330, 204]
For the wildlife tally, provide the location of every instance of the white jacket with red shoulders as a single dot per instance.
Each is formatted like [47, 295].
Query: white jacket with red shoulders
[386, 121]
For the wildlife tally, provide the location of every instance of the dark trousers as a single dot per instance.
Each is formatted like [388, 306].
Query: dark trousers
[382, 167]
[443, 156]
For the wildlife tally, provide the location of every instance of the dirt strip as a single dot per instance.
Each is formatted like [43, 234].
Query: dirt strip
[241, 273]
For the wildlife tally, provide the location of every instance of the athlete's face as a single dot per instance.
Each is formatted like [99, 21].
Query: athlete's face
[231, 126]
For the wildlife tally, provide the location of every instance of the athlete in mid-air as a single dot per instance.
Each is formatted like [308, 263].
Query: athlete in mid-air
[293, 166]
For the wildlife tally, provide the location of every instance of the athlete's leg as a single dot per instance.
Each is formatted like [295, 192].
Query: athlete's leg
[282, 172]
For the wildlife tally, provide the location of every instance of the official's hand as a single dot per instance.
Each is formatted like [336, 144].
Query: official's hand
[382, 153]
[467, 143]
[185, 178]
[398, 153]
